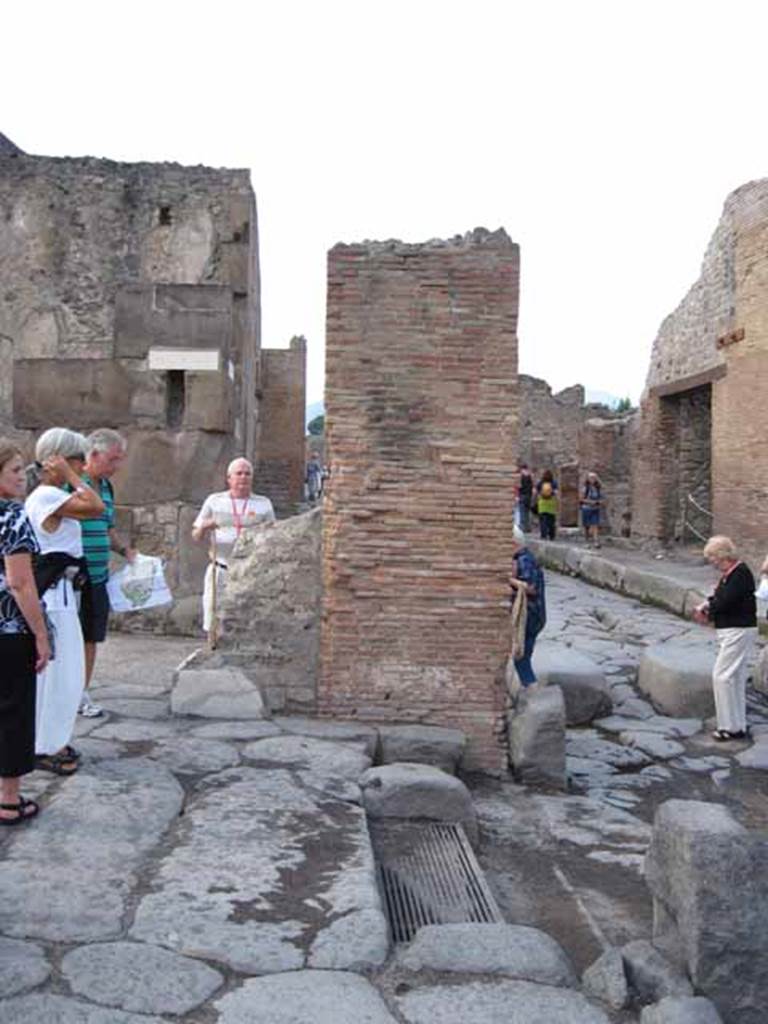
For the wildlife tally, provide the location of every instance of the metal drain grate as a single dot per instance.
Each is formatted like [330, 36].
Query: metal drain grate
[437, 881]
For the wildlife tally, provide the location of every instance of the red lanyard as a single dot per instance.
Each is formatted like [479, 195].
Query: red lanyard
[238, 517]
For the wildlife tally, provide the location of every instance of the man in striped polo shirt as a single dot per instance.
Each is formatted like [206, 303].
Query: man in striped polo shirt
[106, 451]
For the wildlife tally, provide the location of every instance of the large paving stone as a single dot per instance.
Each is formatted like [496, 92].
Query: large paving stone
[320, 757]
[52, 1009]
[421, 744]
[144, 979]
[501, 949]
[264, 873]
[681, 1010]
[661, 724]
[366, 737]
[305, 997]
[87, 849]
[22, 966]
[709, 879]
[590, 746]
[651, 743]
[250, 729]
[537, 737]
[216, 693]
[416, 791]
[190, 755]
[135, 732]
[756, 756]
[130, 708]
[678, 680]
[498, 1002]
[585, 688]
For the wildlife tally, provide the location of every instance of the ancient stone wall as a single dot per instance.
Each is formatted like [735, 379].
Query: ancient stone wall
[281, 464]
[421, 423]
[709, 369]
[549, 424]
[604, 448]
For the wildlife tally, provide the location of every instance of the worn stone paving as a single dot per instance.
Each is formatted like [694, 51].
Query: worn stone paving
[221, 871]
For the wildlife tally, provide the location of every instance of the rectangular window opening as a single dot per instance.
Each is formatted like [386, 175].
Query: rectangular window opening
[175, 397]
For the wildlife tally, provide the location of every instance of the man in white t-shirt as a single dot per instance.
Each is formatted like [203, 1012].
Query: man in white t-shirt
[223, 517]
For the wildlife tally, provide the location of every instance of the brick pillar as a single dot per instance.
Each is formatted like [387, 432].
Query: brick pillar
[570, 494]
[421, 427]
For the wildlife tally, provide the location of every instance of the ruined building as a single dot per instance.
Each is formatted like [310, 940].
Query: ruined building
[129, 297]
[701, 442]
[421, 426]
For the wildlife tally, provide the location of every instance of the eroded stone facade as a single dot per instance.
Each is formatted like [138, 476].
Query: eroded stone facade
[701, 431]
[129, 298]
[421, 425]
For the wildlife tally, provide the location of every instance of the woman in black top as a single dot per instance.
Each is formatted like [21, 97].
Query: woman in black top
[24, 645]
[731, 608]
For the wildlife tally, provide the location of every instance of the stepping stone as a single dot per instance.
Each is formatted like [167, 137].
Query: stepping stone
[216, 693]
[417, 791]
[22, 966]
[319, 997]
[585, 688]
[678, 680]
[144, 979]
[267, 876]
[422, 744]
[537, 737]
[37, 1009]
[498, 1002]
[109, 820]
[513, 951]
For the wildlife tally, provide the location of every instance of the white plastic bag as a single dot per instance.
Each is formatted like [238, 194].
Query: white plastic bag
[139, 585]
[762, 591]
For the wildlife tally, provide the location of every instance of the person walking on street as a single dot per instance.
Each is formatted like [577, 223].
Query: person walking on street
[314, 477]
[106, 451]
[527, 580]
[24, 646]
[221, 520]
[546, 503]
[524, 497]
[732, 609]
[591, 499]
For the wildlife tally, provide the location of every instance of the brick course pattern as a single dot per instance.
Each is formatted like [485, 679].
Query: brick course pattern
[421, 427]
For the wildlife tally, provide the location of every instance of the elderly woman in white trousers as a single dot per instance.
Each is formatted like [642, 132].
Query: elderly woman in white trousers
[732, 609]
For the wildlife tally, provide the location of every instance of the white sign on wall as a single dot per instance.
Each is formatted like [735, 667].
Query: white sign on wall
[196, 359]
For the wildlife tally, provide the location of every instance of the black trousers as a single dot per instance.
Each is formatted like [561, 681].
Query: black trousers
[18, 690]
[547, 525]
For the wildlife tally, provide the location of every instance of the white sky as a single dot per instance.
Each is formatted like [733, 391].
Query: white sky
[604, 136]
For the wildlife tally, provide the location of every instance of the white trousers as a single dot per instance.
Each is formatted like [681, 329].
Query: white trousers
[221, 582]
[60, 685]
[729, 676]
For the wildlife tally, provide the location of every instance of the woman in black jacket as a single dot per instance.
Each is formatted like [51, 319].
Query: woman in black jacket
[731, 608]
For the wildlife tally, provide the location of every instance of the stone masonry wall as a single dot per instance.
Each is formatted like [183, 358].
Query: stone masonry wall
[281, 463]
[421, 423]
[715, 344]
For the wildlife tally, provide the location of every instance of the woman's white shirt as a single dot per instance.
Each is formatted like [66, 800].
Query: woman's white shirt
[67, 537]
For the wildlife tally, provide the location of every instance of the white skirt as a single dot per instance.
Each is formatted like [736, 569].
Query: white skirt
[60, 685]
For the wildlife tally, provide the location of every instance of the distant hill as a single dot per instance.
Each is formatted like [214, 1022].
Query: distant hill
[314, 409]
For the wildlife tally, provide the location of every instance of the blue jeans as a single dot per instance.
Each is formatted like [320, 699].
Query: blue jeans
[523, 665]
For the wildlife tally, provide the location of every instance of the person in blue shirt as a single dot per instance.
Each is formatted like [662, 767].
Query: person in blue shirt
[528, 576]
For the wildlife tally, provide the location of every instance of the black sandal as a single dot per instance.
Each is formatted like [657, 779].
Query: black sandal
[724, 735]
[69, 753]
[57, 764]
[22, 814]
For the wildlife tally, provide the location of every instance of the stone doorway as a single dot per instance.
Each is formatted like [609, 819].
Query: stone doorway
[686, 444]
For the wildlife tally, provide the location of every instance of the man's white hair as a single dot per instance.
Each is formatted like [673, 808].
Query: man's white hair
[104, 439]
[234, 462]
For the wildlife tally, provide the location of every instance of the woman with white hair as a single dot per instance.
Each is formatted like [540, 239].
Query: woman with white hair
[223, 517]
[54, 514]
[731, 608]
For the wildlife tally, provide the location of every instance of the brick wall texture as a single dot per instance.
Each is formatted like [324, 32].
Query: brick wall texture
[280, 437]
[421, 424]
[706, 387]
